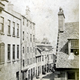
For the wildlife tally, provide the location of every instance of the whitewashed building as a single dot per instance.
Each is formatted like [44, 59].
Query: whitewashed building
[10, 23]
[28, 47]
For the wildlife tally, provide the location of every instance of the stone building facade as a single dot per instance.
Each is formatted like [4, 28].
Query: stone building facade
[17, 44]
[10, 25]
[28, 49]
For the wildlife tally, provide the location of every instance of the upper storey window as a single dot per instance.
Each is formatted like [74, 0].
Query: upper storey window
[9, 26]
[73, 46]
[17, 30]
[13, 28]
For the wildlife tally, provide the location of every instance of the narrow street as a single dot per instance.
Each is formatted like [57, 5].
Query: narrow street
[49, 77]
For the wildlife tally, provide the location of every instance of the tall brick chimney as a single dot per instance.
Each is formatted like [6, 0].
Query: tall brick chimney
[61, 20]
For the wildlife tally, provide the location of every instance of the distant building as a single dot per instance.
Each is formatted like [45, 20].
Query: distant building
[10, 54]
[67, 65]
[45, 57]
[28, 48]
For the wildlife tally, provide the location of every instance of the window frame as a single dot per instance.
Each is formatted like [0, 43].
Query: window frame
[13, 52]
[17, 51]
[9, 52]
[13, 29]
[17, 29]
[23, 35]
[9, 26]
[2, 23]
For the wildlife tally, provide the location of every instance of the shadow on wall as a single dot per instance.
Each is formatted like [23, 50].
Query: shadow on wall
[64, 49]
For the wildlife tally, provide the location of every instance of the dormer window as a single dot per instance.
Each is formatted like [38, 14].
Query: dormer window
[73, 46]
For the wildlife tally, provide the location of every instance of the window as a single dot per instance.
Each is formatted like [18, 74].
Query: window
[2, 46]
[23, 35]
[17, 30]
[17, 75]
[27, 23]
[75, 46]
[23, 76]
[23, 63]
[33, 72]
[13, 51]
[9, 24]
[34, 49]
[42, 58]
[1, 24]
[28, 49]
[31, 37]
[18, 51]
[71, 75]
[28, 74]
[8, 55]
[23, 49]
[13, 28]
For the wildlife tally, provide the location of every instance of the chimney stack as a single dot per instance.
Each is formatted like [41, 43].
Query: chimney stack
[27, 10]
[61, 20]
[10, 6]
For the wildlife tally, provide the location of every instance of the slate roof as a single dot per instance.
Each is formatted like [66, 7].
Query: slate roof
[71, 31]
[64, 62]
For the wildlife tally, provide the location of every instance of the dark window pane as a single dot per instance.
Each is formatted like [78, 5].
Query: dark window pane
[71, 75]
[8, 52]
[13, 51]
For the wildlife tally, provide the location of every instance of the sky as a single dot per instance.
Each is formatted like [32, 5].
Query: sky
[44, 14]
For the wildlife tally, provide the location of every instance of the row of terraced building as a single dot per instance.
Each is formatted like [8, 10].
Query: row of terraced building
[18, 51]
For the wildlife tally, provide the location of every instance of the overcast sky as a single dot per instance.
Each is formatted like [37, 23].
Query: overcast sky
[44, 14]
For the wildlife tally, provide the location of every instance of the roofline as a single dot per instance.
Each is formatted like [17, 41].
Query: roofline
[72, 22]
[60, 69]
[74, 39]
[5, 0]
[12, 14]
[27, 19]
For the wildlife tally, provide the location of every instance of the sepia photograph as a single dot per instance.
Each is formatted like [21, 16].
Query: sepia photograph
[39, 39]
